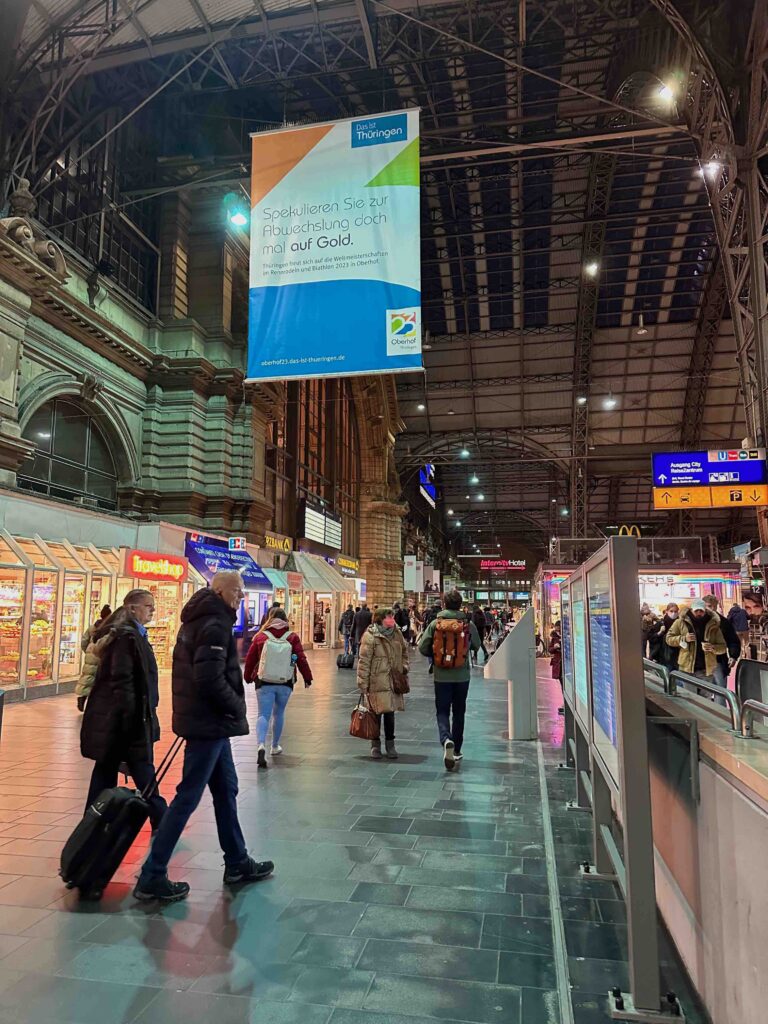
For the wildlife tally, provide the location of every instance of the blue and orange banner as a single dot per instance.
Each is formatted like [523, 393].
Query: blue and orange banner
[335, 279]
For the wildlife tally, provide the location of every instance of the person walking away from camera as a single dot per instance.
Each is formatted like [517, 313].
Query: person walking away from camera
[414, 620]
[345, 627]
[448, 640]
[274, 657]
[402, 620]
[739, 619]
[106, 611]
[478, 617]
[383, 655]
[208, 710]
[699, 640]
[733, 645]
[360, 623]
[118, 692]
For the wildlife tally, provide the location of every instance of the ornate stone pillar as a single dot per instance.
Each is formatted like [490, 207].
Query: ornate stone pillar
[381, 559]
[30, 266]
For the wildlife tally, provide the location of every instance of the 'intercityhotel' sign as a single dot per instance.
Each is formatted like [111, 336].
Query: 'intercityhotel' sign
[150, 565]
[502, 564]
[278, 542]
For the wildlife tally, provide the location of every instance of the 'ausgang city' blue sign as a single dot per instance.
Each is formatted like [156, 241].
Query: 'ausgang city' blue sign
[724, 466]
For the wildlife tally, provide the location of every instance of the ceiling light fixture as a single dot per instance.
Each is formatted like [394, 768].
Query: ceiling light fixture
[474, 479]
[451, 412]
[666, 93]
[581, 400]
[564, 512]
[610, 402]
[421, 407]
[481, 497]
[591, 269]
[464, 453]
[642, 330]
[450, 511]
[554, 501]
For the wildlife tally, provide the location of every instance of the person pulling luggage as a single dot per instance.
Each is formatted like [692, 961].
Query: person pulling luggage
[208, 709]
[271, 664]
[118, 692]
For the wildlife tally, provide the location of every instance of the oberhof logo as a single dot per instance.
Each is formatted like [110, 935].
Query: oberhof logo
[403, 331]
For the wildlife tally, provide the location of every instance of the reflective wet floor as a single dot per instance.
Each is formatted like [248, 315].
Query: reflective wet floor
[402, 894]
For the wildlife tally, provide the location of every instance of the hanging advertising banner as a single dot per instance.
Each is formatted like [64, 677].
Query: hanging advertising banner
[335, 278]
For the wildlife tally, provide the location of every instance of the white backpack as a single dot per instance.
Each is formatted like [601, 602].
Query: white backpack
[275, 663]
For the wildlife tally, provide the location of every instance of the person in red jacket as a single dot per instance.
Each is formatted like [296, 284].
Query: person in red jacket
[271, 664]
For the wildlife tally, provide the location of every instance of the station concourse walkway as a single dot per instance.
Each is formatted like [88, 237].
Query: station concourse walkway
[402, 894]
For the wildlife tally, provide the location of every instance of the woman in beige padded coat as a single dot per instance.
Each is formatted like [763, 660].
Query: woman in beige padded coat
[383, 652]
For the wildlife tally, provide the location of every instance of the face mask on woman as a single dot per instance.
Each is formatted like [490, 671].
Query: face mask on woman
[671, 614]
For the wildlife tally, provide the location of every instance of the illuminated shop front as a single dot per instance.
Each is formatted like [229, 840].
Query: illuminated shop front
[52, 591]
[325, 595]
[657, 587]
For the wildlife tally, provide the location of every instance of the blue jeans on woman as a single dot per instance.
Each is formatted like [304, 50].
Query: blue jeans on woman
[273, 699]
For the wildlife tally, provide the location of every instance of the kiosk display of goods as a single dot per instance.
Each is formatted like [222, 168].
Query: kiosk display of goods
[11, 619]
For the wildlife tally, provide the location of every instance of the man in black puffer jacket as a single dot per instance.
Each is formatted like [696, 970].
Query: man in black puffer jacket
[208, 709]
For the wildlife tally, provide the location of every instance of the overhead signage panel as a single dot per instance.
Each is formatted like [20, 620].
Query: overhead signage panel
[750, 496]
[721, 466]
[682, 497]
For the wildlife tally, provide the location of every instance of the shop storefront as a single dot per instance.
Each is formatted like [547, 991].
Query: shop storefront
[657, 586]
[209, 555]
[349, 568]
[325, 595]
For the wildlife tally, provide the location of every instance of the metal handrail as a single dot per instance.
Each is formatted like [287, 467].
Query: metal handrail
[749, 709]
[730, 698]
[659, 670]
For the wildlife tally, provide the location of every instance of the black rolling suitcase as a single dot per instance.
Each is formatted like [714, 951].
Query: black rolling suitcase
[98, 846]
[345, 661]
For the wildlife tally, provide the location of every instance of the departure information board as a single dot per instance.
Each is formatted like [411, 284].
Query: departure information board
[580, 670]
[603, 668]
[565, 619]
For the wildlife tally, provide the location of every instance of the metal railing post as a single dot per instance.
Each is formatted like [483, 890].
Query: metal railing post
[730, 698]
[749, 709]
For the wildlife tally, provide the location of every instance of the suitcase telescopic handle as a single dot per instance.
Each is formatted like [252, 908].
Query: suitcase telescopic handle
[162, 768]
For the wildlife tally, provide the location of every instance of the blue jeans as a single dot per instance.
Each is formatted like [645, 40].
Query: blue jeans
[273, 699]
[206, 763]
[451, 697]
[348, 642]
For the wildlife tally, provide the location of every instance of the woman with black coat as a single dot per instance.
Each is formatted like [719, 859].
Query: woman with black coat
[120, 722]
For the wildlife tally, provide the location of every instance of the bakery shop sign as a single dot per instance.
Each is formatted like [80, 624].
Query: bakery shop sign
[151, 565]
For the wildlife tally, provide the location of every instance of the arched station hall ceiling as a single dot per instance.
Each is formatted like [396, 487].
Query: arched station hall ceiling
[577, 174]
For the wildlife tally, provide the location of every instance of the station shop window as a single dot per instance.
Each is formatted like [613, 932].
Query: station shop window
[11, 620]
[40, 661]
[73, 460]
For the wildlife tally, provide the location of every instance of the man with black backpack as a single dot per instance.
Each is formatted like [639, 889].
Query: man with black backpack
[449, 640]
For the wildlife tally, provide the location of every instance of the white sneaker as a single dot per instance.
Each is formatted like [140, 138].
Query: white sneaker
[276, 750]
[449, 758]
[457, 757]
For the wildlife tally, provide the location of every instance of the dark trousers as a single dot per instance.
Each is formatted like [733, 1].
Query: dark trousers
[451, 698]
[206, 763]
[387, 726]
[104, 776]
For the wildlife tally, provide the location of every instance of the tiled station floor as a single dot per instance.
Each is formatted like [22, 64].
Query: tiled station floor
[402, 894]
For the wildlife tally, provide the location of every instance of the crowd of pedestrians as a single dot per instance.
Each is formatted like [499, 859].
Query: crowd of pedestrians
[118, 693]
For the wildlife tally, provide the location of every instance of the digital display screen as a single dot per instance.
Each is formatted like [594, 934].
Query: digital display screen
[565, 619]
[321, 526]
[427, 485]
[604, 703]
[579, 637]
[724, 466]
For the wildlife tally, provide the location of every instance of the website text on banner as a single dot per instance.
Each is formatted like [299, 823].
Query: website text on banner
[335, 277]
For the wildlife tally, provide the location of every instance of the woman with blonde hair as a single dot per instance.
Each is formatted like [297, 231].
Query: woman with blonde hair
[382, 673]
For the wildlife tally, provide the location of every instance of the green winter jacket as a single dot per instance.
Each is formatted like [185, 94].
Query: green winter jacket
[450, 675]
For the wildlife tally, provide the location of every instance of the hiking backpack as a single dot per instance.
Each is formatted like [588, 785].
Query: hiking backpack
[275, 664]
[450, 643]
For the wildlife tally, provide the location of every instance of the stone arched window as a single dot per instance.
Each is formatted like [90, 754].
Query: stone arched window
[73, 460]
